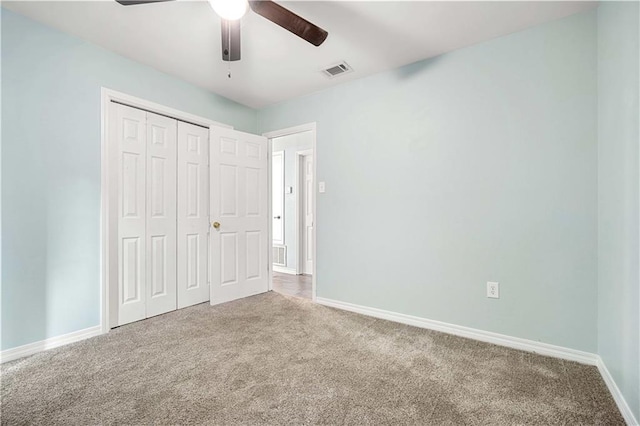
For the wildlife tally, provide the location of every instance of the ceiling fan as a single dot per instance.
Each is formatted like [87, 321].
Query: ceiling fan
[232, 10]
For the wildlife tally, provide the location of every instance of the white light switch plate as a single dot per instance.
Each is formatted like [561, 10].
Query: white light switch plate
[321, 187]
[493, 290]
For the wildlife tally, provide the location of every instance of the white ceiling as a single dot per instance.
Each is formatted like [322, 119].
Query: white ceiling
[182, 38]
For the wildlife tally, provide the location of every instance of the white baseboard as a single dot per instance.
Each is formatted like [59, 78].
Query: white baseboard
[284, 270]
[50, 343]
[617, 395]
[496, 339]
[471, 333]
[468, 332]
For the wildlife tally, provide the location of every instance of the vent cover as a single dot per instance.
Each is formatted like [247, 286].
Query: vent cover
[337, 69]
[280, 255]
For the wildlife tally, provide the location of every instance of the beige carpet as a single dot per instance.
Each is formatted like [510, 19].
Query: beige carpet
[270, 359]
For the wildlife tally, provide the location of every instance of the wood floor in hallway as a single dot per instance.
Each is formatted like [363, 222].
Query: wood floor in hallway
[292, 285]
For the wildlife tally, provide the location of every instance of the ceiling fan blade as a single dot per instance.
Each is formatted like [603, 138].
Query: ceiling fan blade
[230, 40]
[289, 21]
[134, 2]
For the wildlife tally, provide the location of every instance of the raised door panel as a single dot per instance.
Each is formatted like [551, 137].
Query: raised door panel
[159, 278]
[253, 255]
[193, 258]
[228, 190]
[131, 282]
[253, 195]
[161, 214]
[193, 214]
[229, 254]
[239, 253]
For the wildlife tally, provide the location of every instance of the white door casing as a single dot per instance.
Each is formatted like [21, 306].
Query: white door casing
[193, 215]
[129, 142]
[307, 214]
[239, 204]
[277, 197]
[161, 215]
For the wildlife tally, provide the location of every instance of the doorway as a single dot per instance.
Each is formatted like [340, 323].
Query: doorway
[293, 194]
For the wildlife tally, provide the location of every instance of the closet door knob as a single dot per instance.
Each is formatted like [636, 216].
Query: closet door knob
[216, 225]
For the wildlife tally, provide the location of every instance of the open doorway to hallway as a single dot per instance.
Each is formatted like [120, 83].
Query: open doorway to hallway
[292, 285]
[293, 207]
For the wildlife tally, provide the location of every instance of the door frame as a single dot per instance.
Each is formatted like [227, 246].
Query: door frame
[281, 153]
[312, 127]
[298, 222]
[106, 231]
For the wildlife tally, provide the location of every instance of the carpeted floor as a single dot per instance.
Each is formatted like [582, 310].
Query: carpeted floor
[271, 359]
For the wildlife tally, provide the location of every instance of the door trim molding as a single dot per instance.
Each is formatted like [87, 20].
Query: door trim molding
[298, 217]
[275, 154]
[291, 130]
[312, 127]
[107, 96]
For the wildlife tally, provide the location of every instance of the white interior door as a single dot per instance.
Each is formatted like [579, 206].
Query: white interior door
[239, 215]
[161, 215]
[307, 214]
[129, 142]
[277, 197]
[193, 214]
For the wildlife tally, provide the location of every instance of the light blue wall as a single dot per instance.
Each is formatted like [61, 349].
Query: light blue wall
[291, 144]
[481, 164]
[478, 165]
[51, 170]
[618, 202]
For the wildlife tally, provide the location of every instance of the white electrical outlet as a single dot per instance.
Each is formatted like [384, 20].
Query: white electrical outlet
[493, 290]
[321, 187]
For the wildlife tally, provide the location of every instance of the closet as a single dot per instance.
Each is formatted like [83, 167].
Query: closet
[160, 208]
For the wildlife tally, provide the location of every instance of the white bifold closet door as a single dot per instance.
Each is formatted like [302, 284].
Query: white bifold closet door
[193, 214]
[162, 193]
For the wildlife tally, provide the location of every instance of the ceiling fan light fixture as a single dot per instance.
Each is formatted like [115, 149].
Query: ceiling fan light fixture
[230, 10]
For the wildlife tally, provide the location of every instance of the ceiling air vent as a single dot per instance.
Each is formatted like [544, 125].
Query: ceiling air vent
[338, 69]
